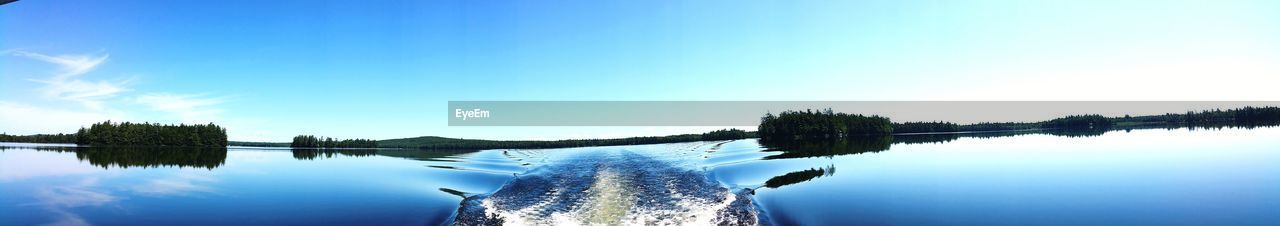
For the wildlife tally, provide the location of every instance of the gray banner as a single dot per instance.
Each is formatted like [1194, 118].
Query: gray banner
[748, 113]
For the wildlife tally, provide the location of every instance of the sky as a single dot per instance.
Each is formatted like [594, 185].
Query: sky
[269, 70]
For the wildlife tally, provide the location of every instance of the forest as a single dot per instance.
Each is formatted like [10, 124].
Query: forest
[827, 125]
[925, 127]
[148, 134]
[1079, 122]
[309, 141]
[785, 126]
[821, 125]
[1241, 117]
[824, 124]
[998, 126]
[39, 138]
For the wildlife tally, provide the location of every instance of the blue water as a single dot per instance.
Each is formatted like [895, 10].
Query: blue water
[1139, 177]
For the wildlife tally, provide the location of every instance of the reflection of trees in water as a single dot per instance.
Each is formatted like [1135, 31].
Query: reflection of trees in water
[799, 176]
[424, 155]
[458, 193]
[865, 144]
[312, 154]
[1214, 125]
[145, 157]
[1222, 125]
[948, 137]
[873, 144]
[805, 149]
[925, 138]
[43, 148]
[208, 158]
[1077, 133]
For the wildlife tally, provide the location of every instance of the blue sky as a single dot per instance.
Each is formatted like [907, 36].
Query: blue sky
[269, 70]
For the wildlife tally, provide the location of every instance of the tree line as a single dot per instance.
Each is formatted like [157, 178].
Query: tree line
[1069, 122]
[726, 134]
[821, 124]
[788, 125]
[998, 126]
[309, 141]
[826, 124]
[1082, 122]
[1246, 117]
[925, 127]
[39, 138]
[149, 134]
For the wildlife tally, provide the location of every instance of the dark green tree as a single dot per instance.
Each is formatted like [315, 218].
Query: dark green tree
[148, 134]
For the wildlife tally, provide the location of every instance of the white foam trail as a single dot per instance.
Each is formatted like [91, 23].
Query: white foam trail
[625, 189]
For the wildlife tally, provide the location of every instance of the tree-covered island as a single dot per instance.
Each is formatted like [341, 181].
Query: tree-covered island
[152, 134]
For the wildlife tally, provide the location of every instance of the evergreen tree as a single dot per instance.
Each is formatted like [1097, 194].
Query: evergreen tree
[147, 134]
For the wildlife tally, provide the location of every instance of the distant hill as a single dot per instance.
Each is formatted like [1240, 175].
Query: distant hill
[445, 143]
[435, 142]
[414, 142]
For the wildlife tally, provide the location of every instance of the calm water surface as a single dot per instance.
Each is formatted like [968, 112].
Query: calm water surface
[1148, 177]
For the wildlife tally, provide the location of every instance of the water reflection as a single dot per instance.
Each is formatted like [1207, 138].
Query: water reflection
[61, 200]
[865, 144]
[923, 179]
[855, 145]
[875, 144]
[312, 153]
[925, 138]
[144, 157]
[1078, 133]
[799, 176]
[42, 184]
[432, 155]
[1070, 177]
[460, 194]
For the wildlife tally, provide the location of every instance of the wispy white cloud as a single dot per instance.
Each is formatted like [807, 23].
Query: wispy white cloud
[19, 118]
[67, 218]
[73, 80]
[197, 108]
[71, 65]
[67, 82]
[88, 93]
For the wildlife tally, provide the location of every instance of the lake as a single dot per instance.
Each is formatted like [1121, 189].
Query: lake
[1141, 177]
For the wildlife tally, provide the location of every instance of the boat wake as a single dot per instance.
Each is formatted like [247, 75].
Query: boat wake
[610, 188]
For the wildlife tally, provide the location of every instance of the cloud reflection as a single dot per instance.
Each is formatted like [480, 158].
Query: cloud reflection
[182, 183]
[60, 199]
[20, 165]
